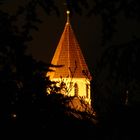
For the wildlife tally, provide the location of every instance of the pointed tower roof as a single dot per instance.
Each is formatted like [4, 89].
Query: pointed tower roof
[69, 55]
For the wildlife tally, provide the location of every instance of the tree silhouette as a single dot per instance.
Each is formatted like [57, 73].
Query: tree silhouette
[109, 11]
[23, 99]
[23, 80]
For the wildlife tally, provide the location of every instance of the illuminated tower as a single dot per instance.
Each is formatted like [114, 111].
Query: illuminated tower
[73, 74]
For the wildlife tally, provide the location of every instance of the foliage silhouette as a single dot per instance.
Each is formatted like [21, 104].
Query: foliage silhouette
[23, 80]
[109, 11]
[117, 75]
[23, 99]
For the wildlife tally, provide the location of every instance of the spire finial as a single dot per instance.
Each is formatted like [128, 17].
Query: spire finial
[68, 12]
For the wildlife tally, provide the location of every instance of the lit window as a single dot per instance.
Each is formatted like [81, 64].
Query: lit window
[87, 90]
[71, 84]
[76, 89]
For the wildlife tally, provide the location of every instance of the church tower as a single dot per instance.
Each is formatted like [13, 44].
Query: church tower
[72, 71]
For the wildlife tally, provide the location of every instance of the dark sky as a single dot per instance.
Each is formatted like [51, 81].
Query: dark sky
[88, 31]
[45, 40]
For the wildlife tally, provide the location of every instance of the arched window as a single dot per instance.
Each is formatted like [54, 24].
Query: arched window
[87, 90]
[76, 89]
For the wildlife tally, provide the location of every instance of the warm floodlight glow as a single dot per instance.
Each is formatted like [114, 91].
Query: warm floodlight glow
[69, 55]
[68, 12]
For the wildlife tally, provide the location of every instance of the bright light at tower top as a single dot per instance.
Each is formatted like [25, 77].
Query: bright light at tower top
[68, 12]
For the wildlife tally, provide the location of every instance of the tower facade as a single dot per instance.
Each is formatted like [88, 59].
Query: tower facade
[72, 72]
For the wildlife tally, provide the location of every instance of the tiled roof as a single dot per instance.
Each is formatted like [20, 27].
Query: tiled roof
[69, 55]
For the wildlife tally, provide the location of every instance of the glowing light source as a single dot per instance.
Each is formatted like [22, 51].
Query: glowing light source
[68, 12]
[14, 115]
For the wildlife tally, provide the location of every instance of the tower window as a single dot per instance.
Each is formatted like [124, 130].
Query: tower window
[87, 90]
[71, 84]
[76, 89]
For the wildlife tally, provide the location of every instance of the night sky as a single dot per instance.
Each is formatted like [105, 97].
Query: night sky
[88, 31]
